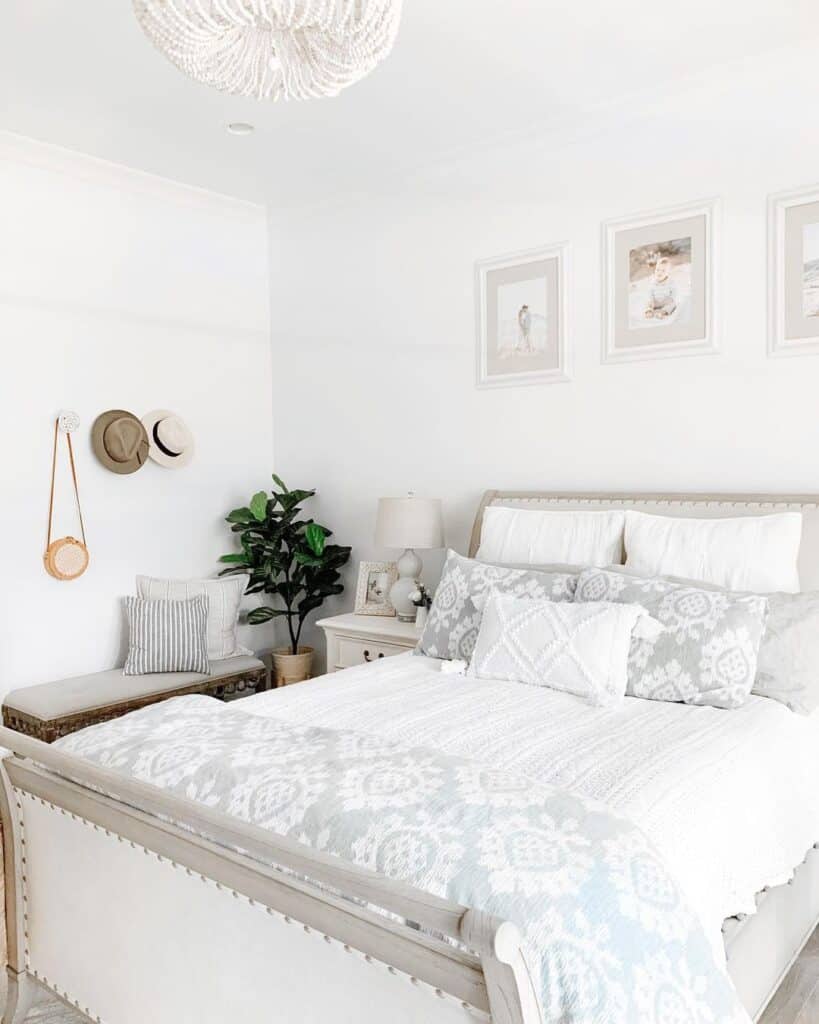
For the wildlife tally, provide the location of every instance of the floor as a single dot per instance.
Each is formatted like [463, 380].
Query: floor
[797, 1001]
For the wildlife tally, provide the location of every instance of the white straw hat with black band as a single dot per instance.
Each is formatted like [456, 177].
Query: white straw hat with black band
[170, 441]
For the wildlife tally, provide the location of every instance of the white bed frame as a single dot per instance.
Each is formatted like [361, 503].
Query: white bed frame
[129, 917]
[762, 947]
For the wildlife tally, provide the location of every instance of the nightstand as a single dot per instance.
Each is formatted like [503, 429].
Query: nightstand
[357, 639]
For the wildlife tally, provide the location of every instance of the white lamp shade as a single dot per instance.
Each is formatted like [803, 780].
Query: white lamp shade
[409, 523]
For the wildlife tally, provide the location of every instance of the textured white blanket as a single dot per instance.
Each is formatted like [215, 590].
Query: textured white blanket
[730, 798]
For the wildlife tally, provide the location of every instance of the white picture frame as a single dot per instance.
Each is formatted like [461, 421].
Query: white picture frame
[624, 339]
[790, 334]
[370, 575]
[540, 353]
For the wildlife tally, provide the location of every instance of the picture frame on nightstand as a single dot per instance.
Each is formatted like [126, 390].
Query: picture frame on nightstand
[372, 595]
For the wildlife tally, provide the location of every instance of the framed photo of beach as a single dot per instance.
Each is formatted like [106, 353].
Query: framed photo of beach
[793, 272]
[522, 317]
[659, 283]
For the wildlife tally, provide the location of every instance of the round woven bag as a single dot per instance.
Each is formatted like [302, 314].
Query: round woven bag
[66, 559]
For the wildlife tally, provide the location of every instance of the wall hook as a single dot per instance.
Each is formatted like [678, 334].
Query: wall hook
[68, 421]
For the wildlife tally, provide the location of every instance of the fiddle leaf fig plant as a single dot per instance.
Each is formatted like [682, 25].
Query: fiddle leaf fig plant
[285, 556]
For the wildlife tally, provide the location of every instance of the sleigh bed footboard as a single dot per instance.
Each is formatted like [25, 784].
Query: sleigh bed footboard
[136, 907]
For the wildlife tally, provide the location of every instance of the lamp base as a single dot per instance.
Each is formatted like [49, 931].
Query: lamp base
[409, 570]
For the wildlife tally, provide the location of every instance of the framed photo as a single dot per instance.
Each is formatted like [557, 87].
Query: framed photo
[793, 272]
[522, 317]
[659, 284]
[372, 596]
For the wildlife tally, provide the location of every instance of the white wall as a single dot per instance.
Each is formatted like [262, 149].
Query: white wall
[120, 290]
[374, 327]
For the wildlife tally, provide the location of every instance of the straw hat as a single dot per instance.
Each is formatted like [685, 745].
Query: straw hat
[120, 441]
[171, 443]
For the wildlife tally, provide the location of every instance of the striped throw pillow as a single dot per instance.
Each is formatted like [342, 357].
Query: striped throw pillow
[167, 636]
[225, 598]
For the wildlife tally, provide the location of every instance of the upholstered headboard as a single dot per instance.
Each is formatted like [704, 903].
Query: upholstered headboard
[697, 505]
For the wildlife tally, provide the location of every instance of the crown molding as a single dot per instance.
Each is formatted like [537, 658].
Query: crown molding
[84, 167]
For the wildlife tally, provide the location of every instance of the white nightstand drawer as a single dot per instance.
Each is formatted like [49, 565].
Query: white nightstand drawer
[353, 651]
[357, 639]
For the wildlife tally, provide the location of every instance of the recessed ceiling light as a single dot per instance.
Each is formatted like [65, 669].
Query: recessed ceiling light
[240, 128]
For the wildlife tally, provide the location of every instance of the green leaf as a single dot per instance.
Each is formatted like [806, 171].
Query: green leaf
[277, 480]
[264, 614]
[236, 559]
[234, 570]
[239, 515]
[314, 535]
[303, 558]
[308, 604]
[258, 506]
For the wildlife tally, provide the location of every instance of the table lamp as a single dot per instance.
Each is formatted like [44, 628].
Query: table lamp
[408, 523]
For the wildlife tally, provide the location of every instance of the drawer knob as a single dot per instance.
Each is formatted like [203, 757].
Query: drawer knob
[368, 658]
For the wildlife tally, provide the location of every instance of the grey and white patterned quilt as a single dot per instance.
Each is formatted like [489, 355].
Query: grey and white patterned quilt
[608, 936]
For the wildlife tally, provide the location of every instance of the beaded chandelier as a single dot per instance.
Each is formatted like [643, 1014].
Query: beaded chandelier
[296, 49]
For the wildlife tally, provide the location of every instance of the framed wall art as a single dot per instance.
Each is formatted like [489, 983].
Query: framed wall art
[793, 272]
[372, 596]
[522, 317]
[659, 283]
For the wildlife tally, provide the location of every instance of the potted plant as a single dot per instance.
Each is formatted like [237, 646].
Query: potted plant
[289, 558]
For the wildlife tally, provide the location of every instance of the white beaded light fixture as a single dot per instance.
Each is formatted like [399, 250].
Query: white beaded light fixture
[296, 49]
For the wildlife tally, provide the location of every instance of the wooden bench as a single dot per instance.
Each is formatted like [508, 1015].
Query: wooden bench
[55, 709]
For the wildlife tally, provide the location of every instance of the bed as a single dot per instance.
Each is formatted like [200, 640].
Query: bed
[728, 799]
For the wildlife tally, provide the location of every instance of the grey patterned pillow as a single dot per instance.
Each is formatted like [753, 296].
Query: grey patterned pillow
[707, 653]
[454, 618]
[788, 669]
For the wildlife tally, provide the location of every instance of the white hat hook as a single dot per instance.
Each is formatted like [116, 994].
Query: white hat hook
[68, 421]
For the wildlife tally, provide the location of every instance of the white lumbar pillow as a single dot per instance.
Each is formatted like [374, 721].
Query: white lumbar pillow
[755, 553]
[224, 600]
[581, 649]
[522, 536]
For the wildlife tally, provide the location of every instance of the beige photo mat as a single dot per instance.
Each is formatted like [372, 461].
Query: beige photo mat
[801, 272]
[521, 317]
[508, 291]
[688, 322]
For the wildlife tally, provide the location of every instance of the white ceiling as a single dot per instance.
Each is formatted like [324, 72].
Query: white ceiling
[463, 73]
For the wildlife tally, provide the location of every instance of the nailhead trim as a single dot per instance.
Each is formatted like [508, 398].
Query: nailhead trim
[547, 500]
[19, 795]
[330, 940]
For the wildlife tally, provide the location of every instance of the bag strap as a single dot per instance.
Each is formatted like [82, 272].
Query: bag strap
[73, 477]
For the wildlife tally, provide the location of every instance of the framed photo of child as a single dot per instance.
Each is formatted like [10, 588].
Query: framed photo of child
[522, 317]
[793, 272]
[659, 284]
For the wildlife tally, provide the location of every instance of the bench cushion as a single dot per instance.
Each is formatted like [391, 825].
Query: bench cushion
[64, 697]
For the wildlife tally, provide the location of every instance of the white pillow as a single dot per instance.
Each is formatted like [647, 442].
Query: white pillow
[751, 553]
[523, 536]
[224, 598]
[577, 648]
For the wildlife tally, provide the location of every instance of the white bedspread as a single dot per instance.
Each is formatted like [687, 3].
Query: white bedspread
[731, 798]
